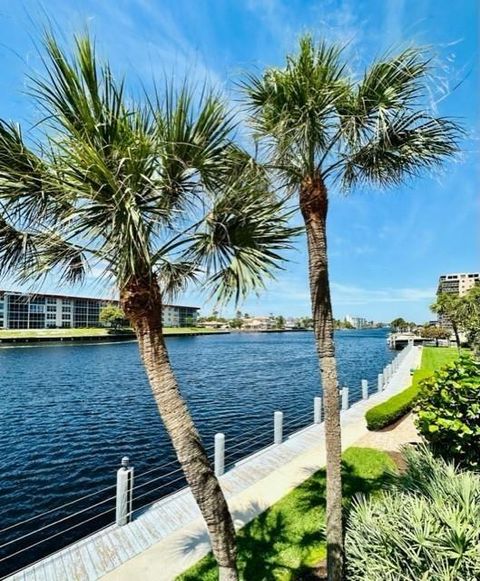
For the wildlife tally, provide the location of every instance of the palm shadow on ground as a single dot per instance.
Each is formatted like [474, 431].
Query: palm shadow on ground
[287, 541]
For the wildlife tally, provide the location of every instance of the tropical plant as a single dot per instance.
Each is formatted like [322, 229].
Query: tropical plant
[469, 312]
[386, 413]
[319, 127]
[448, 411]
[434, 332]
[425, 526]
[448, 305]
[280, 322]
[399, 324]
[112, 316]
[152, 192]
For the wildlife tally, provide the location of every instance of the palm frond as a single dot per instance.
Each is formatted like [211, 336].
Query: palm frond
[293, 109]
[152, 189]
[242, 239]
[18, 250]
[25, 179]
[174, 277]
[405, 145]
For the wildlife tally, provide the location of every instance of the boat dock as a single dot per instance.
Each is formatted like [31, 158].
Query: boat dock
[398, 341]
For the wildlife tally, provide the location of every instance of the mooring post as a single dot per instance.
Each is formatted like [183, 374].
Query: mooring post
[345, 398]
[364, 389]
[219, 454]
[317, 410]
[277, 427]
[380, 381]
[124, 493]
[387, 373]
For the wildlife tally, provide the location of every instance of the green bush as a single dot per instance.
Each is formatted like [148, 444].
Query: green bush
[391, 410]
[448, 411]
[424, 526]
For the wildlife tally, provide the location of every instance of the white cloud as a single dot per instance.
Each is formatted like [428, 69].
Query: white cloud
[354, 295]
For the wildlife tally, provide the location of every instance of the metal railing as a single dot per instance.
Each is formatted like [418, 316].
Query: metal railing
[127, 491]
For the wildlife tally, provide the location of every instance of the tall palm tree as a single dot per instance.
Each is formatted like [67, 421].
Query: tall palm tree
[449, 306]
[320, 127]
[156, 194]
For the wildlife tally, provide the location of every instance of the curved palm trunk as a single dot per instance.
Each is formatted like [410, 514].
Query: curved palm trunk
[314, 207]
[142, 303]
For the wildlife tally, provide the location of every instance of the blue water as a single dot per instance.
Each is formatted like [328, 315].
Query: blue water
[69, 413]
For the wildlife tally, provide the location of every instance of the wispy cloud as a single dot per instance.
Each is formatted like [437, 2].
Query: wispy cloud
[355, 295]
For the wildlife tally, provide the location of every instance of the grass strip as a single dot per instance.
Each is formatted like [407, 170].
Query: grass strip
[289, 538]
[391, 410]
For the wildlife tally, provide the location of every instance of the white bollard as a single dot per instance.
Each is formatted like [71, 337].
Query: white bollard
[345, 398]
[124, 493]
[277, 427]
[380, 381]
[317, 410]
[387, 373]
[364, 389]
[219, 454]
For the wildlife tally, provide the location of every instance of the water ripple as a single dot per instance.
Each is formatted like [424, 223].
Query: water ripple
[69, 414]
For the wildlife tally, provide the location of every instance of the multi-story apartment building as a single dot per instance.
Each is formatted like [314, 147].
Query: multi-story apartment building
[357, 322]
[458, 284]
[42, 311]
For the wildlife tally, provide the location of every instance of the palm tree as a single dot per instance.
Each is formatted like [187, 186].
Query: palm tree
[156, 194]
[319, 128]
[449, 306]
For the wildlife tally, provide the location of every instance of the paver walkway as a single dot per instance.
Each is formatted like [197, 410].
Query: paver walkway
[170, 535]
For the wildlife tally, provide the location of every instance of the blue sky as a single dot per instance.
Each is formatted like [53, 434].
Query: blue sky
[386, 249]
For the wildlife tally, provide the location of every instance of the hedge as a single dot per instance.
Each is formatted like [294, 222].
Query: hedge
[393, 409]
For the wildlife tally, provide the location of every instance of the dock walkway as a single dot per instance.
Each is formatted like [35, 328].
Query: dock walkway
[170, 535]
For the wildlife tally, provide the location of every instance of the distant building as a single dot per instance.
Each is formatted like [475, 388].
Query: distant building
[357, 322]
[259, 323]
[458, 284]
[49, 311]
[292, 323]
[213, 324]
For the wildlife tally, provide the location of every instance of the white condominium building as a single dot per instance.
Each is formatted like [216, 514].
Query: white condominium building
[357, 322]
[459, 283]
[20, 310]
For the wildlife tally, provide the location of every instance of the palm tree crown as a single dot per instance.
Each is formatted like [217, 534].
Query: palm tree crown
[137, 189]
[317, 120]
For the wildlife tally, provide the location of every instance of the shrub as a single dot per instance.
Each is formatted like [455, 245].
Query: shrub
[423, 527]
[391, 410]
[448, 411]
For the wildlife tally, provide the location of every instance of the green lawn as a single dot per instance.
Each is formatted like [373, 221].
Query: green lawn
[89, 332]
[27, 333]
[191, 330]
[397, 406]
[435, 357]
[289, 537]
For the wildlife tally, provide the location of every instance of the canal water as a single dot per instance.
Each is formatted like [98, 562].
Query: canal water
[69, 413]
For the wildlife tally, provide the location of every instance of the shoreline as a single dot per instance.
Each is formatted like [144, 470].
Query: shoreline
[55, 339]
[58, 339]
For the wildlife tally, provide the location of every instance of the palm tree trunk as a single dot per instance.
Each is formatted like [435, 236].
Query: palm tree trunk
[457, 335]
[142, 304]
[314, 207]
